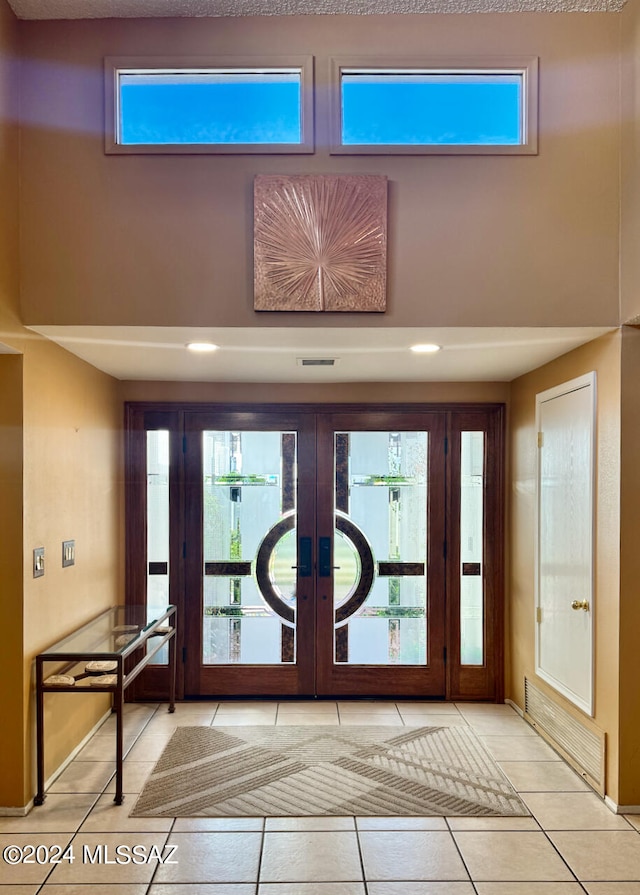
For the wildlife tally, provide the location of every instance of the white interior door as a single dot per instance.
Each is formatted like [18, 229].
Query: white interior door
[565, 491]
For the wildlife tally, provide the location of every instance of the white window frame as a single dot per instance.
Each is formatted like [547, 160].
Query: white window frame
[527, 67]
[114, 65]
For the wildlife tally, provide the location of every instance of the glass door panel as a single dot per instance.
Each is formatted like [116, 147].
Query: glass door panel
[246, 575]
[380, 548]
[385, 472]
[249, 539]
[158, 529]
[471, 548]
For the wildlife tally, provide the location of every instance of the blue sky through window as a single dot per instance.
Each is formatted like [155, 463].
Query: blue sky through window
[431, 109]
[379, 108]
[210, 108]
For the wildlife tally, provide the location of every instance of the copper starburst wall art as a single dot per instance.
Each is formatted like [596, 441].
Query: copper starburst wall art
[320, 243]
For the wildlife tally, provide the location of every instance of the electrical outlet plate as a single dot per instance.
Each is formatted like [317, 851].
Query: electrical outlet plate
[68, 554]
[38, 562]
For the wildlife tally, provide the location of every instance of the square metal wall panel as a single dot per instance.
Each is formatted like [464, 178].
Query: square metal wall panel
[320, 243]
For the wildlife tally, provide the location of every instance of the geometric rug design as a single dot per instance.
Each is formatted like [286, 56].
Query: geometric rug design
[269, 771]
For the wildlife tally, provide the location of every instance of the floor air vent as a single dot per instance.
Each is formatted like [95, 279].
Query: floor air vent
[581, 743]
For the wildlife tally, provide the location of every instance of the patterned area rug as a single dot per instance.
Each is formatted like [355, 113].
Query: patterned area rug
[320, 770]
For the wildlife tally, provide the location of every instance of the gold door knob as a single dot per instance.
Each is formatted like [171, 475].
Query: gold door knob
[580, 604]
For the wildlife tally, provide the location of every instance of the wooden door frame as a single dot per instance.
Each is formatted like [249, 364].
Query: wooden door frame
[486, 683]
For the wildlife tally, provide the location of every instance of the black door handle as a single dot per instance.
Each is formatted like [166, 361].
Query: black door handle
[324, 557]
[304, 566]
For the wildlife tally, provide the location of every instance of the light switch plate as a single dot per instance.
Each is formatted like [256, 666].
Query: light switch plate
[68, 554]
[38, 562]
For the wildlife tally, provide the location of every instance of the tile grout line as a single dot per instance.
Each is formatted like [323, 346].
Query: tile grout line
[360, 855]
[561, 856]
[156, 868]
[261, 853]
[460, 855]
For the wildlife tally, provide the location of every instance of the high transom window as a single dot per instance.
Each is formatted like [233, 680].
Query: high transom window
[222, 106]
[450, 107]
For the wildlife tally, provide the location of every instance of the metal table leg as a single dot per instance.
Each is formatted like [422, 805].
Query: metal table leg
[40, 795]
[172, 670]
[119, 709]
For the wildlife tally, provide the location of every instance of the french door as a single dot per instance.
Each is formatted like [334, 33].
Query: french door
[318, 551]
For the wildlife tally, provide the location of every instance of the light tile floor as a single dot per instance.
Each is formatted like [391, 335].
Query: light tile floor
[571, 845]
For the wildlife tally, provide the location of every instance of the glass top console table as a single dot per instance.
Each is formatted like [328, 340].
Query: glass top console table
[105, 656]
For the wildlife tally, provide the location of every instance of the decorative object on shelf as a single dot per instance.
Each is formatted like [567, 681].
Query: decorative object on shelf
[60, 680]
[103, 680]
[101, 667]
[125, 629]
[124, 639]
[320, 242]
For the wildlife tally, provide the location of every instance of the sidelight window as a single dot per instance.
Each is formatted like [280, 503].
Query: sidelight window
[472, 548]
[158, 527]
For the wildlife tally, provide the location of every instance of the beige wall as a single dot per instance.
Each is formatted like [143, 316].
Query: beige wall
[60, 455]
[60, 476]
[66, 442]
[629, 689]
[11, 661]
[472, 240]
[11, 741]
[9, 90]
[72, 457]
[604, 356]
[630, 163]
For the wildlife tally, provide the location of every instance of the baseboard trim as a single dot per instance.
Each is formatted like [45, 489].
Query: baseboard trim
[16, 812]
[25, 809]
[515, 707]
[621, 809]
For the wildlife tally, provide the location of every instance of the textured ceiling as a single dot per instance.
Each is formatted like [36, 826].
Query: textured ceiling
[101, 9]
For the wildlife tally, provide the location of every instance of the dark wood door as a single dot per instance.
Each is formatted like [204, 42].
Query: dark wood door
[321, 551]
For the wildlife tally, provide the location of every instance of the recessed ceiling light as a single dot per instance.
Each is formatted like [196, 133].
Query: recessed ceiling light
[202, 347]
[425, 349]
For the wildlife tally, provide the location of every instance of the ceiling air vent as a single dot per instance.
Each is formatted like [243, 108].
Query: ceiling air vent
[317, 361]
